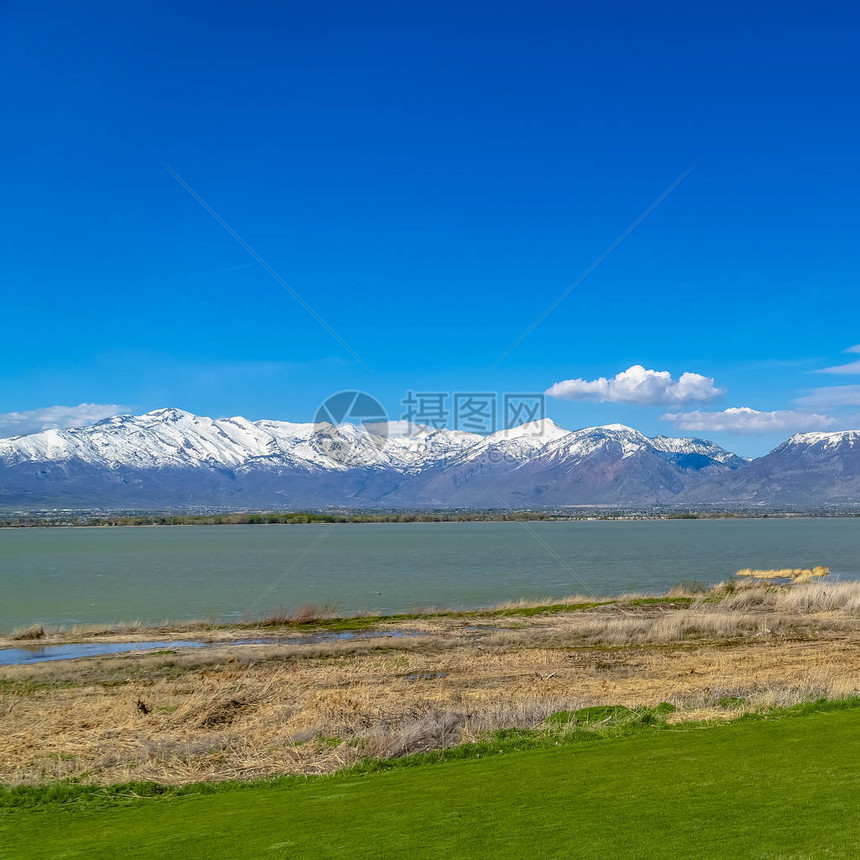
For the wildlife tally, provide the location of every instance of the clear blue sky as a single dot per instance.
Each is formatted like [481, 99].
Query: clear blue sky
[430, 177]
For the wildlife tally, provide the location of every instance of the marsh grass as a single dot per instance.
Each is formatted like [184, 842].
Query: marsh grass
[244, 712]
[497, 742]
[798, 599]
[793, 575]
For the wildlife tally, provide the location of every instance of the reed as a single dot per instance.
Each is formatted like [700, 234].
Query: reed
[794, 575]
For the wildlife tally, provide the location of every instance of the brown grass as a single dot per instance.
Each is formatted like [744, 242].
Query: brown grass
[239, 712]
[799, 599]
[794, 574]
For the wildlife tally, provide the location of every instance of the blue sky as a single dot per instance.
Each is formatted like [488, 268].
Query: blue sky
[430, 178]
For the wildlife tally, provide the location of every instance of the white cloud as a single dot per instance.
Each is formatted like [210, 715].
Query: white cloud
[831, 396]
[851, 368]
[743, 419]
[638, 385]
[54, 417]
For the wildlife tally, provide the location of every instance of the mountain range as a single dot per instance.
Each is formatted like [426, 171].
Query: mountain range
[170, 458]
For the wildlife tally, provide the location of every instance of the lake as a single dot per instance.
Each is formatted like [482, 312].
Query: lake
[80, 575]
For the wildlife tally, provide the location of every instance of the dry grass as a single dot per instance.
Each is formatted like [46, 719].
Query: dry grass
[799, 599]
[305, 614]
[670, 627]
[244, 711]
[570, 600]
[793, 574]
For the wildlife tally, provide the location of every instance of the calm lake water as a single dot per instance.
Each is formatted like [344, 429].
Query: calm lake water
[69, 576]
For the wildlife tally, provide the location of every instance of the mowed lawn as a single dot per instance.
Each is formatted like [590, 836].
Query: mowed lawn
[787, 787]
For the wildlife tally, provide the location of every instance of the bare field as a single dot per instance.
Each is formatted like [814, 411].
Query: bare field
[306, 704]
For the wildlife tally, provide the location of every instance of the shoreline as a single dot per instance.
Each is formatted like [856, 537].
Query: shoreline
[321, 621]
[149, 520]
[311, 619]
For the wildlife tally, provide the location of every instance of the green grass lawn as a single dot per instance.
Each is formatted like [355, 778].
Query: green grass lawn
[776, 788]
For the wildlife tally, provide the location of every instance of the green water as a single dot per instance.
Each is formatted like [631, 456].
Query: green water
[68, 576]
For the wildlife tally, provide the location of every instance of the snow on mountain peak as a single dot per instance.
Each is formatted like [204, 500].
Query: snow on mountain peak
[543, 427]
[171, 413]
[826, 440]
[691, 445]
[617, 428]
[172, 438]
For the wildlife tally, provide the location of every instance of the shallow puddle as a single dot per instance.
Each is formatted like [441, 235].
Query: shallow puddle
[76, 650]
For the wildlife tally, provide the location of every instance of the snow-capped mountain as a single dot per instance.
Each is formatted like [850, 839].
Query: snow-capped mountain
[810, 468]
[549, 466]
[171, 438]
[690, 448]
[171, 458]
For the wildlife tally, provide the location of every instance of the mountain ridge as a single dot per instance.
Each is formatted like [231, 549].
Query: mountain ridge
[170, 457]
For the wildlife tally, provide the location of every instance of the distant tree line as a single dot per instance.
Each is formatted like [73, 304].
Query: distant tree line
[67, 518]
[299, 518]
